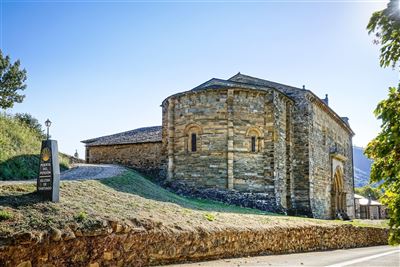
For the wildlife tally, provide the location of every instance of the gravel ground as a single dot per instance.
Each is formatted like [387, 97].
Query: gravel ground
[92, 171]
[82, 172]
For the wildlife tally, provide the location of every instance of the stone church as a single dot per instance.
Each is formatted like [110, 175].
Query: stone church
[247, 135]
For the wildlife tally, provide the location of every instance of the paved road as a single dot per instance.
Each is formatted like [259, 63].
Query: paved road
[380, 256]
[82, 172]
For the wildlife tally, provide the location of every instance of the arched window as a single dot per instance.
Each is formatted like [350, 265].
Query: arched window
[193, 142]
[193, 138]
[254, 135]
[253, 144]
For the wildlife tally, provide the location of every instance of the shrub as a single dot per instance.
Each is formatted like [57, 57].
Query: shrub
[5, 215]
[209, 217]
[81, 216]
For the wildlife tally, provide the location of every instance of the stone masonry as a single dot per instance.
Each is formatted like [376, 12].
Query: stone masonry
[140, 149]
[302, 153]
[246, 135]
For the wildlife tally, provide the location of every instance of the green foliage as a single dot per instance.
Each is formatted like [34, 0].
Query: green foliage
[5, 215]
[31, 122]
[12, 80]
[81, 216]
[20, 148]
[386, 26]
[210, 217]
[385, 148]
[385, 151]
[369, 191]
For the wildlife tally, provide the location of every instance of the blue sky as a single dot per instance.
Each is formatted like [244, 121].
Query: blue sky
[101, 67]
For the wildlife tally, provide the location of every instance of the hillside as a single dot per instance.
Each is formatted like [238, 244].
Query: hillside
[19, 150]
[362, 167]
[130, 196]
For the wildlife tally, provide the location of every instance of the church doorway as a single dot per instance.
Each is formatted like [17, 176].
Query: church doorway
[338, 195]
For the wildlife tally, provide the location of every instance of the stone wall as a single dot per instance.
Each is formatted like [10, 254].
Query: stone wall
[130, 245]
[225, 121]
[330, 147]
[145, 157]
[320, 142]
[300, 164]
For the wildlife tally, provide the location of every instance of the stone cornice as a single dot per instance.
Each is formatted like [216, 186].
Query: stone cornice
[225, 85]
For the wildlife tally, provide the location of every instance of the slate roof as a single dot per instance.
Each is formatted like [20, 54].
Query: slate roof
[140, 135]
[241, 78]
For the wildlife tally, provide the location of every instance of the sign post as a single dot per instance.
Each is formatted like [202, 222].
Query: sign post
[48, 183]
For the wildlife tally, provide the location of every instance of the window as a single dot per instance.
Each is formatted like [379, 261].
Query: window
[194, 142]
[253, 144]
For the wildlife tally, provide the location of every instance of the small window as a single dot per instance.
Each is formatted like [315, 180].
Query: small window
[253, 144]
[194, 142]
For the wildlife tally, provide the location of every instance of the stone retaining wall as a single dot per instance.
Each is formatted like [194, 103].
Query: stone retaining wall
[151, 244]
[261, 201]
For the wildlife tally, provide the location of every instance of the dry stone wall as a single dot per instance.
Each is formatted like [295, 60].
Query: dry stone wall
[127, 245]
[145, 157]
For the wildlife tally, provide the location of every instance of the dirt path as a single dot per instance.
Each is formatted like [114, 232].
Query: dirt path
[82, 172]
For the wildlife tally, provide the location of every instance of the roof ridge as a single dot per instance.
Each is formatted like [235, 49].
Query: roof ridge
[91, 140]
[271, 83]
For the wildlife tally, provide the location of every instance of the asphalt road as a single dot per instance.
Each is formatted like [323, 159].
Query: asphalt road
[379, 256]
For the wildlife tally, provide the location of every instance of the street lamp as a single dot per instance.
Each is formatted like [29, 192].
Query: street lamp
[47, 123]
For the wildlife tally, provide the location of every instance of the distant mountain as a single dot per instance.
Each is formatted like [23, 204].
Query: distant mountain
[362, 167]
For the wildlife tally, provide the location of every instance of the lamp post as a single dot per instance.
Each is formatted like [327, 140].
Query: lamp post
[48, 124]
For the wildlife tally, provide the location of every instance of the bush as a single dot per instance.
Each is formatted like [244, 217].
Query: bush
[5, 215]
[81, 216]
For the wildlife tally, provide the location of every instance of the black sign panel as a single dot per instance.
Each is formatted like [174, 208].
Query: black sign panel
[49, 171]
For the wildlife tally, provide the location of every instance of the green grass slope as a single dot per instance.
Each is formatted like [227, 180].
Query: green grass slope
[19, 150]
[129, 198]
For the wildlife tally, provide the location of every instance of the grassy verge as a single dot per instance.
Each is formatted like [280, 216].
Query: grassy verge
[129, 197]
[20, 148]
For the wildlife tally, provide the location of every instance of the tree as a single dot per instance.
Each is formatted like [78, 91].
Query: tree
[369, 191]
[12, 80]
[31, 122]
[385, 148]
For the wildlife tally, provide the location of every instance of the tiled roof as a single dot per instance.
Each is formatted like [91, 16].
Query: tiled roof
[140, 135]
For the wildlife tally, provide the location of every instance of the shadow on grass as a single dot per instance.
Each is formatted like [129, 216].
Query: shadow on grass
[22, 167]
[16, 200]
[135, 183]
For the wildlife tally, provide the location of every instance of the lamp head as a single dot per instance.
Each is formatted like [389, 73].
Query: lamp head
[47, 123]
